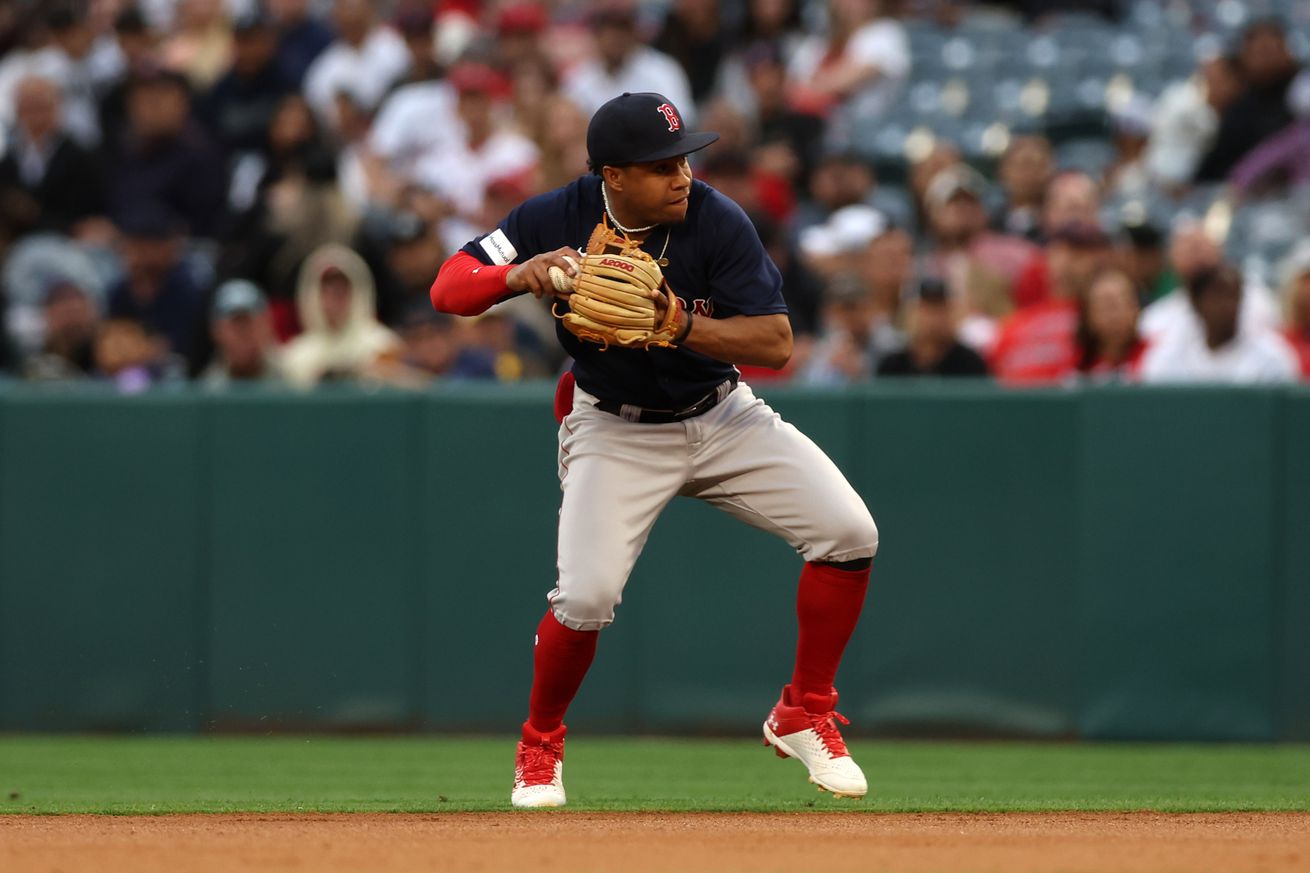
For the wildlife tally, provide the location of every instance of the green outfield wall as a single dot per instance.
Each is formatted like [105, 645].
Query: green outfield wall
[1103, 563]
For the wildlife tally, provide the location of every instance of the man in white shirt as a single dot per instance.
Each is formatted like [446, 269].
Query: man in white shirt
[1219, 352]
[623, 64]
[1187, 119]
[480, 149]
[364, 62]
[1191, 250]
[863, 62]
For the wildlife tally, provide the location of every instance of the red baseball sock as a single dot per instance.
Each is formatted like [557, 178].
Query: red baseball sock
[560, 661]
[828, 605]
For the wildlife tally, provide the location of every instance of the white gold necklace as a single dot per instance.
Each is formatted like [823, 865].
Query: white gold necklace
[610, 212]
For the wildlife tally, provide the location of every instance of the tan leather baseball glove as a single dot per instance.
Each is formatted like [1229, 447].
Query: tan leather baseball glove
[613, 299]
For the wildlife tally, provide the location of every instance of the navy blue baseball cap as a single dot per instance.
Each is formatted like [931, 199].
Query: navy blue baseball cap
[637, 128]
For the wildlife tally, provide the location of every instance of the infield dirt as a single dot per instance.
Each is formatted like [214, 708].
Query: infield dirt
[544, 842]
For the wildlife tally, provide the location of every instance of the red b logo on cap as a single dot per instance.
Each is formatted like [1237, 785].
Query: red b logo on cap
[670, 115]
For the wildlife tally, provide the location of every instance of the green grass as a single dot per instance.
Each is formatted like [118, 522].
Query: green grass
[58, 774]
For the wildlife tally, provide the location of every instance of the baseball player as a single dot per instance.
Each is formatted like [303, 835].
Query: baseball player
[663, 286]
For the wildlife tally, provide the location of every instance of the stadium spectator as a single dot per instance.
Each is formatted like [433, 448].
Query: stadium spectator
[47, 181]
[70, 320]
[360, 65]
[1261, 109]
[159, 289]
[859, 241]
[415, 27]
[519, 37]
[1192, 251]
[858, 332]
[1072, 198]
[1142, 252]
[295, 207]
[924, 167]
[1036, 344]
[861, 63]
[787, 141]
[133, 359]
[481, 147]
[772, 23]
[240, 106]
[1283, 160]
[1187, 119]
[430, 342]
[200, 45]
[801, 288]
[1025, 170]
[168, 158]
[1130, 124]
[403, 133]
[839, 180]
[1296, 302]
[842, 243]
[979, 266]
[301, 38]
[1220, 352]
[342, 338]
[138, 45]
[623, 63]
[245, 348]
[71, 58]
[409, 249]
[693, 35]
[563, 143]
[932, 346]
[1108, 346]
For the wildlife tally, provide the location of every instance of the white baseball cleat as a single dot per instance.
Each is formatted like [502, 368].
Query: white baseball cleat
[808, 732]
[539, 769]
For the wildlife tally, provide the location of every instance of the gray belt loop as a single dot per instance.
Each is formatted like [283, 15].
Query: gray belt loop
[629, 412]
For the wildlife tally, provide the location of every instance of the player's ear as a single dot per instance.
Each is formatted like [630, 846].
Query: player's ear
[613, 177]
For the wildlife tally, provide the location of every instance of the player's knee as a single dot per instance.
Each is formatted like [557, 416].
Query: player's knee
[855, 537]
[585, 610]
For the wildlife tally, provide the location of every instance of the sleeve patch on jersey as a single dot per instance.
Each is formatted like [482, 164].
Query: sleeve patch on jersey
[499, 248]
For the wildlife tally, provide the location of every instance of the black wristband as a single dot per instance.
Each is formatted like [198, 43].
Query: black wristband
[686, 329]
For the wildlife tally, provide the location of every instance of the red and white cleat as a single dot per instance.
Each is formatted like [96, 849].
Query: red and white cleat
[539, 769]
[808, 732]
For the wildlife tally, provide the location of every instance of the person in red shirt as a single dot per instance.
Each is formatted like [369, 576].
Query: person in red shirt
[1296, 294]
[1071, 198]
[1036, 344]
[1108, 345]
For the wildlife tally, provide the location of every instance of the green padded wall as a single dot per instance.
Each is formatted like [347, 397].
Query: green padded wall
[969, 618]
[102, 555]
[1105, 563]
[489, 494]
[1292, 616]
[1178, 548]
[314, 549]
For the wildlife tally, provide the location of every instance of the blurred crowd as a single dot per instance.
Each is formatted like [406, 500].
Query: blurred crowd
[223, 191]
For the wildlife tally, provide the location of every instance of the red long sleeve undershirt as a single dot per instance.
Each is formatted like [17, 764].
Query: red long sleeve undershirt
[466, 286]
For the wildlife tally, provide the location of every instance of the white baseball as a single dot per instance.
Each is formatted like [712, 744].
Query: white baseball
[562, 281]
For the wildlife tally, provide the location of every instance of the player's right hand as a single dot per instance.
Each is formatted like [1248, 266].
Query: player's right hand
[533, 275]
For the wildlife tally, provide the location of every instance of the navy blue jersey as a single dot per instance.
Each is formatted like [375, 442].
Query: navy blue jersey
[717, 265]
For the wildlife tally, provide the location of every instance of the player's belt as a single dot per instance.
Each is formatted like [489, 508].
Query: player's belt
[645, 415]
